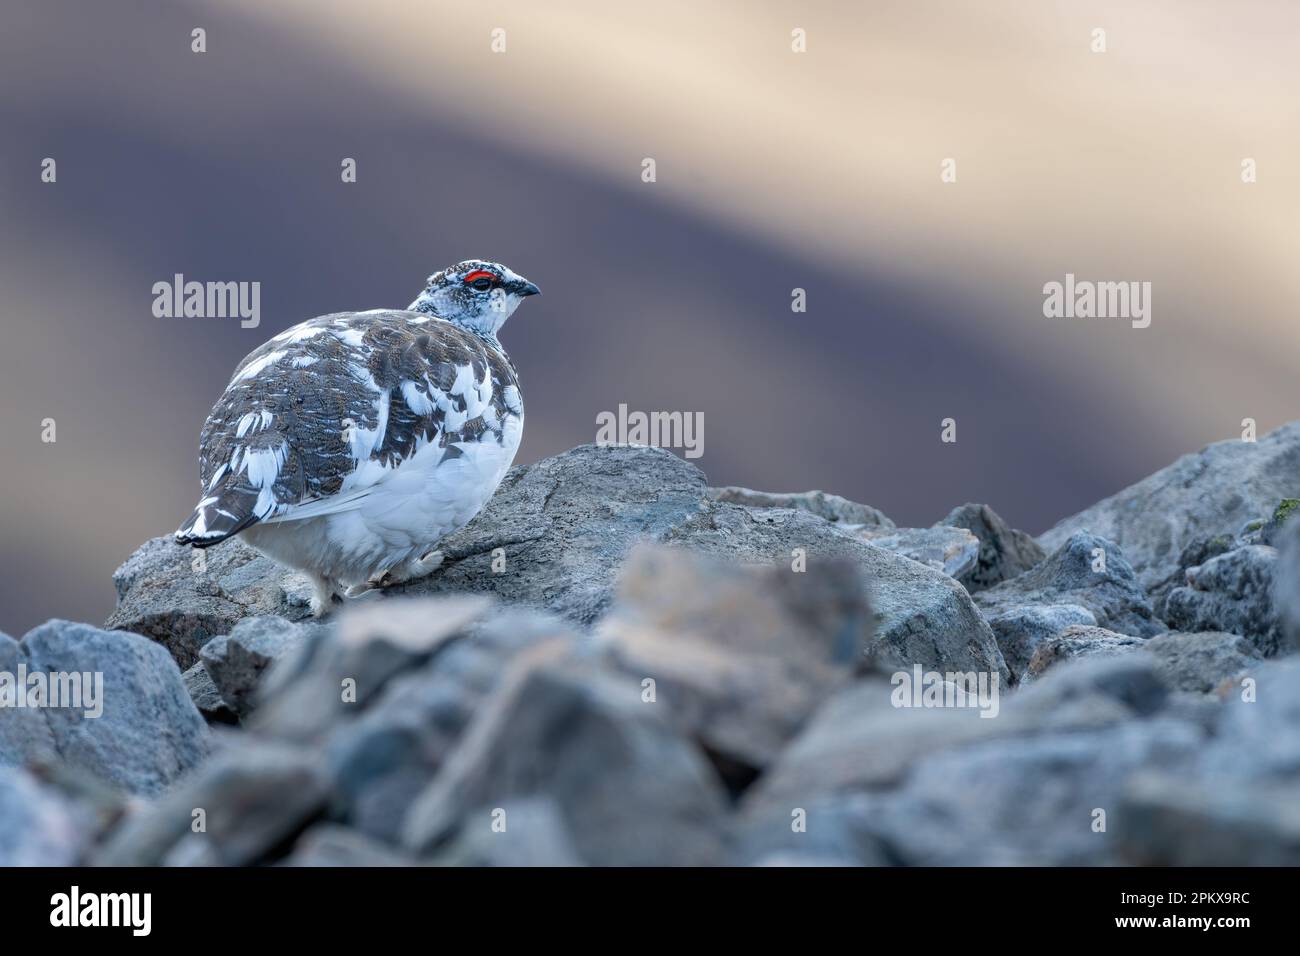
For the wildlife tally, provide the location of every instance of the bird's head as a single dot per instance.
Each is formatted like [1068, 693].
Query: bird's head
[477, 294]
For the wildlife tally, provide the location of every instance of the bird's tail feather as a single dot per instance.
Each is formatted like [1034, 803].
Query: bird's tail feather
[219, 516]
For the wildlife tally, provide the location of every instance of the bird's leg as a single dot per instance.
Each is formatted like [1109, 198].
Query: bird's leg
[324, 593]
[410, 570]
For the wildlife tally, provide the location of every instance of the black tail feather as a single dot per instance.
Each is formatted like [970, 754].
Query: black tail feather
[218, 517]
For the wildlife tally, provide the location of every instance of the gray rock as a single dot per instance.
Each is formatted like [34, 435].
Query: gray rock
[1196, 553]
[827, 832]
[383, 760]
[147, 731]
[831, 507]
[1111, 593]
[25, 735]
[328, 844]
[945, 785]
[1231, 592]
[1286, 586]
[1030, 800]
[333, 678]
[37, 826]
[253, 796]
[1092, 692]
[1237, 805]
[566, 524]
[631, 790]
[1021, 630]
[1211, 492]
[206, 697]
[953, 551]
[183, 598]
[527, 832]
[1201, 662]
[1004, 552]
[236, 661]
[922, 616]
[1258, 736]
[859, 741]
[1167, 820]
[739, 656]
[1079, 640]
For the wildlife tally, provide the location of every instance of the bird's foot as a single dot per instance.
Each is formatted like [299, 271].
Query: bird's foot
[424, 565]
[411, 570]
[324, 595]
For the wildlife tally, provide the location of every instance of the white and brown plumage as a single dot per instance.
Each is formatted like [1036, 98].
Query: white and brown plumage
[349, 445]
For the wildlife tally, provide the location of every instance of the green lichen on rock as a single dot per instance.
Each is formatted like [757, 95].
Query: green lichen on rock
[1285, 510]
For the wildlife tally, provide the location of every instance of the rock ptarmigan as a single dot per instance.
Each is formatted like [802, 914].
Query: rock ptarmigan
[347, 446]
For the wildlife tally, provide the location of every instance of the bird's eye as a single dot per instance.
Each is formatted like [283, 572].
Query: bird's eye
[481, 280]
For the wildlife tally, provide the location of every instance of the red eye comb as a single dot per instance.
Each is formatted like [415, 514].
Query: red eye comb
[479, 274]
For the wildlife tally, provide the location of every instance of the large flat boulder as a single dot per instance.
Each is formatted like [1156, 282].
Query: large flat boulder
[553, 538]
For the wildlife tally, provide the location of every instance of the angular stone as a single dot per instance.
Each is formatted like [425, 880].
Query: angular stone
[739, 656]
[1079, 640]
[1029, 800]
[952, 551]
[236, 661]
[1231, 592]
[206, 697]
[631, 790]
[383, 760]
[183, 598]
[1004, 552]
[147, 733]
[333, 677]
[859, 741]
[532, 832]
[1211, 492]
[922, 616]
[1092, 692]
[1201, 662]
[1111, 592]
[253, 796]
[1021, 630]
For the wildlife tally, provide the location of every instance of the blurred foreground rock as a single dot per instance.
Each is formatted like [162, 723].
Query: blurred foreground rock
[618, 664]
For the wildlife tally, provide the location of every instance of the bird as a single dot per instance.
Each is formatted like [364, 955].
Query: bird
[349, 445]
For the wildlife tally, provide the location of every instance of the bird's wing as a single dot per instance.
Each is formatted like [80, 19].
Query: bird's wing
[316, 419]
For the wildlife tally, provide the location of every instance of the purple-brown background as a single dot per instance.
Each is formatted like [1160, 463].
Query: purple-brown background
[775, 170]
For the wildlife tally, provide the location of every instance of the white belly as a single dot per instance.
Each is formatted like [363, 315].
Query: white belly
[406, 513]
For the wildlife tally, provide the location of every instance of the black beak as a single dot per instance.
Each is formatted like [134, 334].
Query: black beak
[526, 288]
